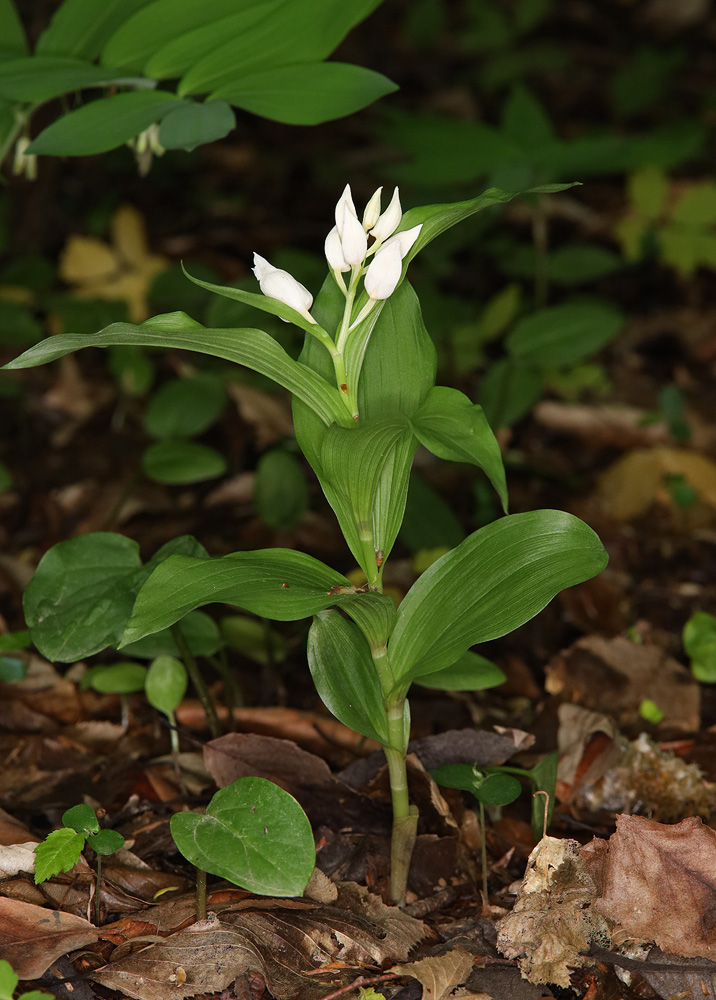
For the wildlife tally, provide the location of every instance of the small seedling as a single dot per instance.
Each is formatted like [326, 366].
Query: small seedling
[699, 638]
[61, 849]
[650, 711]
[117, 678]
[495, 786]
[165, 687]
[8, 985]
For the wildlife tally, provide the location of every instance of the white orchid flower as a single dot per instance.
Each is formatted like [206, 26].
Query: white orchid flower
[354, 242]
[372, 211]
[406, 239]
[278, 284]
[389, 220]
[334, 252]
[383, 274]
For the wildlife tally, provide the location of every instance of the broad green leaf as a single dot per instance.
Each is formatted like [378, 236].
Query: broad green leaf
[166, 37]
[455, 429]
[295, 33]
[39, 78]
[106, 842]
[15, 640]
[200, 632]
[252, 348]
[374, 614]
[12, 34]
[354, 463]
[254, 834]
[81, 595]
[525, 121]
[176, 461]
[253, 638]
[345, 676]
[81, 27]
[306, 94]
[273, 583]
[257, 300]
[115, 678]
[81, 819]
[58, 852]
[471, 672]
[185, 406]
[429, 521]
[563, 335]
[281, 491]
[103, 124]
[493, 582]
[190, 125]
[497, 790]
[165, 684]
[699, 630]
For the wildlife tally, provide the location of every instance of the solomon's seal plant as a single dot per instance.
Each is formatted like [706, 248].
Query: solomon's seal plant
[364, 399]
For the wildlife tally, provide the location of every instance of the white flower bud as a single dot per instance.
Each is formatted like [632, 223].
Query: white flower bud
[383, 274]
[345, 202]
[389, 220]
[405, 239]
[354, 242]
[372, 211]
[278, 284]
[334, 252]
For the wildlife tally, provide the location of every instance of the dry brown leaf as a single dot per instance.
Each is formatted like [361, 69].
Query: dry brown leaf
[660, 884]
[629, 487]
[613, 676]
[439, 974]
[553, 924]
[32, 937]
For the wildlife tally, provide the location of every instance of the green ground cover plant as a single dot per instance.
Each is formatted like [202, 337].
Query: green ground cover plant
[364, 400]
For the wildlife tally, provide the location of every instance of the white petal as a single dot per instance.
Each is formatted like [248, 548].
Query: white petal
[405, 240]
[389, 220]
[383, 274]
[354, 242]
[372, 211]
[344, 207]
[278, 284]
[334, 252]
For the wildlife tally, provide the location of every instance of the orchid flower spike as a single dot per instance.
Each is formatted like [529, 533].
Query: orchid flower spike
[389, 221]
[278, 284]
[352, 236]
[383, 274]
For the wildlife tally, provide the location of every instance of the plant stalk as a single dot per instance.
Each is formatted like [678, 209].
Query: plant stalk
[198, 681]
[97, 888]
[200, 894]
[405, 815]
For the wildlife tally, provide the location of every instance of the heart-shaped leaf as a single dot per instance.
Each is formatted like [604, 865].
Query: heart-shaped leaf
[254, 834]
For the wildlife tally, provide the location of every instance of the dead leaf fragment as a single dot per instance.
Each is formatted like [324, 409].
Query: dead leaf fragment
[553, 924]
[32, 937]
[630, 486]
[660, 884]
[439, 975]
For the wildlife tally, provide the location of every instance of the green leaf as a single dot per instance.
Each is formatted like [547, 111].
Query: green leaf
[470, 673]
[177, 462]
[281, 491]
[294, 33]
[81, 27]
[306, 94]
[190, 125]
[201, 634]
[354, 464]
[497, 790]
[563, 335]
[455, 429]
[185, 406]
[81, 595]
[254, 639]
[647, 190]
[81, 819]
[166, 684]
[460, 776]
[345, 676]
[253, 581]
[115, 678]
[12, 670]
[8, 980]
[493, 582]
[509, 391]
[104, 124]
[15, 640]
[696, 206]
[254, 834]
[106, 842]
[252, 348]
[525, 120]
[544, 778]
[39, 78]
[374, 614]
[12, 32]
[429, 521]
[699, 638]
[58, 852]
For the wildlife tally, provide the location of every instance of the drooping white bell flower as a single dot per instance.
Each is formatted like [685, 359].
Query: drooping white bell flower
[334, 252]
[383, 274]
[278, 284]
[372, 211]
[389, 220]
[354, 242]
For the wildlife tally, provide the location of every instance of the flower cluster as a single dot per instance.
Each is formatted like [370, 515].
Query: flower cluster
[347, 249]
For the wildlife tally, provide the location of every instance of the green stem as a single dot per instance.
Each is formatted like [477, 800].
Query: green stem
[97, 890]
[405, 815]
[367, 544]
[198, 681]
[200, 894]
[483, 852]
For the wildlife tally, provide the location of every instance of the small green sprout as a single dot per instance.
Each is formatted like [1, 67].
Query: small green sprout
[61, 849]
[699, 638]
[650, 711]
[8, 985]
